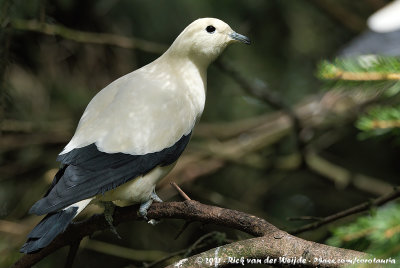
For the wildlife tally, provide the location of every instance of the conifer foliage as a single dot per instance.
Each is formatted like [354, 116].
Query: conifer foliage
[379, 232]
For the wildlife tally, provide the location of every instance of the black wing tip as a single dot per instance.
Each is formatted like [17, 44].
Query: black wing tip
[37, 208]
[48, 229]
[30, 247]
[33, 210]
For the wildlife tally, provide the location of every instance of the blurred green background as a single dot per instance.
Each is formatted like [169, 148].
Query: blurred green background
[318, 169]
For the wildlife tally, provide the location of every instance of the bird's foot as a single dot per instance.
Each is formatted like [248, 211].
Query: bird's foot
[153, 222]
[109, 208]
[155, 197]
[145, 206]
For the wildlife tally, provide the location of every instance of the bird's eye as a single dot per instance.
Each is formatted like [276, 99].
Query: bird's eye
[210, 29]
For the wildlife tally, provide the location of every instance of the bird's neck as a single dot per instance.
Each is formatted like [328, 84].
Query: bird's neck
[194, 75]
[185, 66]
[181, 52]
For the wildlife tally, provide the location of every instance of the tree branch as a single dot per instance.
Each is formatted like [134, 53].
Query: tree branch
[277, 248]
[356, 209]
[73, 250]
[340, 14]
[279, 242]
[339, 74]
[179, 190]
[89, 37]
[266, 95]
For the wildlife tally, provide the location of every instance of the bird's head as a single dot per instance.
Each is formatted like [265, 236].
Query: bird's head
[205, 39]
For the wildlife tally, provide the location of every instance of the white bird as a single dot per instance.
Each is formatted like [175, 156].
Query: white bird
[133, 131]
[386, 19]
[382, 36]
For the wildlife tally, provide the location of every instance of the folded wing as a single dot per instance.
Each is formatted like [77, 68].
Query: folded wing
[88, 172]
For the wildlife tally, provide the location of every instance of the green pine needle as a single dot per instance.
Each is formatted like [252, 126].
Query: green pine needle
[378, 234]
[363, 68]
[379, 121]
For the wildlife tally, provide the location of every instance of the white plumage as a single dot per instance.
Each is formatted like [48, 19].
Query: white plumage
[144, 111]
[133, 131]
[386, 19]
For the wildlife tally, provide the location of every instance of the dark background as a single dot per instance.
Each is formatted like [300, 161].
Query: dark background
[47, 81]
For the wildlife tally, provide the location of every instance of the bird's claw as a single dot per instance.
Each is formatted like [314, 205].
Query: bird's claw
[146, 205]
[143, 209]
[109, 208]
[153, 222]
[155, 197]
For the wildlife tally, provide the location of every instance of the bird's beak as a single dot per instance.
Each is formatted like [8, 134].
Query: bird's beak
[241, 38]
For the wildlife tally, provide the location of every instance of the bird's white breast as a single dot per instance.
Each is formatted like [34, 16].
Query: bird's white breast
[145, 111]
[137, 190]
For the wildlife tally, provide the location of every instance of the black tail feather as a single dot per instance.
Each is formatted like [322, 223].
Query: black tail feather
[52, 225]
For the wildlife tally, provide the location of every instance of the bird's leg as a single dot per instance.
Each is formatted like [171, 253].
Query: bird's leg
[155, 197]
[145, 206]
[109, 208]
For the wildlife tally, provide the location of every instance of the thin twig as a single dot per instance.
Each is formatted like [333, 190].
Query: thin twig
[127, 253]
[169, 256]
[182, 193]
[356, 209]
[266, 95]
[198, 241]
[339, 74]
[376, 4]
[89, 37]
[186, 197]
[42, 11]
[163, 259]
[260, 92]
[182, 229]
[383, 124]
[73, 250]
[339, 13]
[304, 218]
[343, 177]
